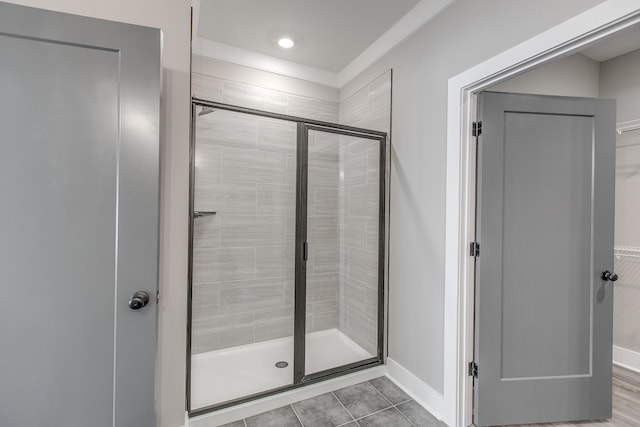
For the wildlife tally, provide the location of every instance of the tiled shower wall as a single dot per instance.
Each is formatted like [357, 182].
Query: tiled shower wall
[368, 108]
[322, 232]
[243, 270]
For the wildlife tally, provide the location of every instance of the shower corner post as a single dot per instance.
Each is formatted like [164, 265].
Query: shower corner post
[299, 333]
[382, 247]
[192, 172]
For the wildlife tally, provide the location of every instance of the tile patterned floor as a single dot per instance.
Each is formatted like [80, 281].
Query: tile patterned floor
[380, 403]
[375, 403]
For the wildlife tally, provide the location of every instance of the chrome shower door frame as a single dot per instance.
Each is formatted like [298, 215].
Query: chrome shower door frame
[302, 159]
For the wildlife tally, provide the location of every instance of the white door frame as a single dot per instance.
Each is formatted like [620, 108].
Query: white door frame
[595, 24]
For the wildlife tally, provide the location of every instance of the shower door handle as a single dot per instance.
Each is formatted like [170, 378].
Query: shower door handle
[138, 300]
[607, 275]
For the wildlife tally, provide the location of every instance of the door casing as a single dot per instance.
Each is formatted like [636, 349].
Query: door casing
[596, 24]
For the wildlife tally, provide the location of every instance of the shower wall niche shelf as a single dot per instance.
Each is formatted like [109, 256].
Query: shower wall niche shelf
[198, 214]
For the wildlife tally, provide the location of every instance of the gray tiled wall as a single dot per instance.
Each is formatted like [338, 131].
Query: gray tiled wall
[243, 264]
[322, 231]
[243, 270]
[369, 108]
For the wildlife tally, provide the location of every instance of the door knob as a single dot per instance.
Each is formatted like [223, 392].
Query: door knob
[607, 275]
[138, 300]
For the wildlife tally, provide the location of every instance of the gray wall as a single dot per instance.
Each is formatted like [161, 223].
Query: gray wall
[620, 79]
[463, 35]
[575, 75]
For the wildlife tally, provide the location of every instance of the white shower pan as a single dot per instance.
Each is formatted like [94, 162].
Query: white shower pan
[227, 374]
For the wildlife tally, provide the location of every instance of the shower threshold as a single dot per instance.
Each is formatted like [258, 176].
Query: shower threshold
[222, 375]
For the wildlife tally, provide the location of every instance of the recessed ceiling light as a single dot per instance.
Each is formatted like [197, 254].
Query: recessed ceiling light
[285, 43]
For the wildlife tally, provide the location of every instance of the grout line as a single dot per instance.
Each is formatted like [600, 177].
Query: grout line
[380, 393]
[404, 401]
[345, 408]
[373, 413]
[393, 406]
[297, 416]
[382, 410]
[402, 413]
[256, 212]
[254, 327]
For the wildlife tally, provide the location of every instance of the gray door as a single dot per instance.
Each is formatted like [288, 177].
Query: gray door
[546, 171]
[79, 138]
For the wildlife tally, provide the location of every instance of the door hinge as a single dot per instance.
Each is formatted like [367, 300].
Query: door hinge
[476, 129]
[157, 297]
[473, 369]
[474, 249]
[305, 251]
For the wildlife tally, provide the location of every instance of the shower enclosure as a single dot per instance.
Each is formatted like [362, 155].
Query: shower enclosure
[287, 253]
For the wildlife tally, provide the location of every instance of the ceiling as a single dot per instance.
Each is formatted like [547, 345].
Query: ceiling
[329, 34]
[620, 43]
[335, 39]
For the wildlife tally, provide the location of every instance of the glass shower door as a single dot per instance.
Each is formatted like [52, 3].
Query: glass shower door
[286, 255]
[343, 285]
[243, 227]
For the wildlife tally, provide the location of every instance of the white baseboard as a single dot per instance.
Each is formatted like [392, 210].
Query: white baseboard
[269, 403]
[626, 358]
[420, 391]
